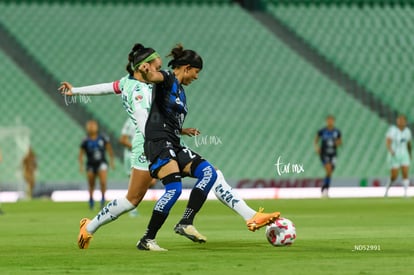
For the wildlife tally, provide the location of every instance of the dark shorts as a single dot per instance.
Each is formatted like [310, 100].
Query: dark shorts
[96, 167]
[328, 159]
[161, 152]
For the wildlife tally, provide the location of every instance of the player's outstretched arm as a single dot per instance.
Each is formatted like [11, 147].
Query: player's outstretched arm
[97, 89]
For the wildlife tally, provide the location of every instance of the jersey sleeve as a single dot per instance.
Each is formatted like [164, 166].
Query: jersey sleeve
[319, 132]
[168, 80]
[339, 133]
[142, 106]
[98, 89]
[83, 144]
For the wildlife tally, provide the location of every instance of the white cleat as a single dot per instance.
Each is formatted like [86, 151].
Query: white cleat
[190, 232]
[150, 245]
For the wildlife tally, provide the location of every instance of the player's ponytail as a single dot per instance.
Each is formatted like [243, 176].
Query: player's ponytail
[182, 57]
[138, 55]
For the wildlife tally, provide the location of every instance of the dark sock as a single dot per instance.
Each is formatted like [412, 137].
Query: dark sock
[195, 202]
[326, 183]
[157, 220]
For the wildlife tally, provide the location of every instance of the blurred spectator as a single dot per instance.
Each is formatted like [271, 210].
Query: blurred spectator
[29, 165]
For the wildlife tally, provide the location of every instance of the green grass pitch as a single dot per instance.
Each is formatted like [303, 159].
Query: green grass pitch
[39, 237]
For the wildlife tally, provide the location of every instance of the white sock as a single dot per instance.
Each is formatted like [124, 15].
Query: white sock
[406, 183]
[230, 198]
[387, 187]
[109, 213]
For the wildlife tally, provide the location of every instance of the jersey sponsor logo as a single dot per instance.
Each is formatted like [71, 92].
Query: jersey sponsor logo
[207, 175]
[164, 200]
[139, 98]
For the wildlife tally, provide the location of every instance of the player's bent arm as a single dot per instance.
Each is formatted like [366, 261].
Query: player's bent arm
[338, 142]
[108, 148]
[316, 145]
[150, 76]
[140, 116]
[388, 144]
[80, 159]
[191, 132]
[124, 140]
[409, 148]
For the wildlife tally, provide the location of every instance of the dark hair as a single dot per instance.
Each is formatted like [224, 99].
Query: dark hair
[183, 57]
[137, 54]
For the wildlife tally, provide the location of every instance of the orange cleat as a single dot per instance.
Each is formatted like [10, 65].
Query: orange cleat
[261, 219]
[84, 237]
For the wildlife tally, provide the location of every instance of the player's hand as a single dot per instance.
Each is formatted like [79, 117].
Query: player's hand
[66, 88]
[318, 150]
[144, 68]
[112, 164]
[190, 132]
[81, 170]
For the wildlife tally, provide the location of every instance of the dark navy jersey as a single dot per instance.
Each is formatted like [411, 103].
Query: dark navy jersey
[168, 110]
[328, 140]
[95, 149]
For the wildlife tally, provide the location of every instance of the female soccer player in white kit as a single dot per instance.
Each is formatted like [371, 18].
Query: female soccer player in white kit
[136, 98]
[398, 142]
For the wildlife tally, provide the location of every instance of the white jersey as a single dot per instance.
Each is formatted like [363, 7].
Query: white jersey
[136, 97]
[399, 139]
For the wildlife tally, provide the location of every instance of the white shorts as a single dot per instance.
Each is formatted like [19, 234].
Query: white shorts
[138, 160]
[397, 160]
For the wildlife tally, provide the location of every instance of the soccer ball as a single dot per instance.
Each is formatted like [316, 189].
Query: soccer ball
[281, 232]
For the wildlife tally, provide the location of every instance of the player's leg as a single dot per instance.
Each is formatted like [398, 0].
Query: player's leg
[30, 183]
[195, 166]
[225, 193]
[327, 180]
[392, 180]
[103, 175]
[139, 182]
[168, 171]
[91, 175]
[406, 180]
[394, 164]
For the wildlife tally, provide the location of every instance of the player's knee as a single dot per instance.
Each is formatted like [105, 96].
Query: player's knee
[206, 175]
[173, 189]
[172, 183]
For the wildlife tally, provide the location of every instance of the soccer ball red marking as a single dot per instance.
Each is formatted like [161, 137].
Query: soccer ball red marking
[281, 232]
